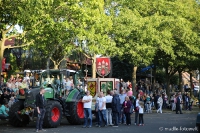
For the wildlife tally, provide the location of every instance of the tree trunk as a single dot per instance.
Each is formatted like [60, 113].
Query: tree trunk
[55, 66]
[48, 63]
[134, 79]
[167, 81]
[154, 78]
[2, 48]
[94, 66]
[191, 85]
[167, 86]
[180, 85]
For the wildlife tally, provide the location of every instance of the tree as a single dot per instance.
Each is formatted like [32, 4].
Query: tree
[183, 30]
[8, 18]
[159, 31]
[14, 13]
[67, 22]
[130, 35]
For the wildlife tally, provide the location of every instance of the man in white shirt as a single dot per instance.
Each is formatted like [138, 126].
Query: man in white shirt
[109, 108]
[102, 109]
[87, 104]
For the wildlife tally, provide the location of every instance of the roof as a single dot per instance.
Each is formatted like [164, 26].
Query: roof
[187, 76]
[10, 41]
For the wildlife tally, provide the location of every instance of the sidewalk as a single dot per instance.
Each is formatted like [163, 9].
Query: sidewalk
[195, 110]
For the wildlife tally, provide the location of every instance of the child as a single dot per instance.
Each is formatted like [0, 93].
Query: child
[141, 112]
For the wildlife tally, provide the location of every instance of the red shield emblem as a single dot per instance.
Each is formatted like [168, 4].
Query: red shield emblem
[103, 66]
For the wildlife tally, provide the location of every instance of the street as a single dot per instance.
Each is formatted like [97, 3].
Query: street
[154, 123]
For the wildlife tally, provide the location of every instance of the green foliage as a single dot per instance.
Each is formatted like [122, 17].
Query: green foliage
[145, 29]
[175, 79]
[60, 23]
[161, 78]
[165, 32]
[13, 64]
[121, 69]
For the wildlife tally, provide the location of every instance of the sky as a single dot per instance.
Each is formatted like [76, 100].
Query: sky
[18, 28]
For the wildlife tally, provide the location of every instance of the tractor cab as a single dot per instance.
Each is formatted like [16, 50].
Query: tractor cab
[52, 81]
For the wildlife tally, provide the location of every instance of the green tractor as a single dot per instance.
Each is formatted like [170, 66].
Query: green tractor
[58, 105]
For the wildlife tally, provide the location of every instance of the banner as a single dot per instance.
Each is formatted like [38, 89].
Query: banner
[92, 88]
[103, 66]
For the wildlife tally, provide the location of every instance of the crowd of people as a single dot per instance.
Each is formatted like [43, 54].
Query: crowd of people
[114, 109]
[10, 90]
[111, 109]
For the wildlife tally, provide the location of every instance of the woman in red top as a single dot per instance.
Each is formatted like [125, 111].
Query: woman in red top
[127, 105]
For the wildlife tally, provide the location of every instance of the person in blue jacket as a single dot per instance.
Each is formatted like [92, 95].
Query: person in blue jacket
[116, 108]
[4, 111]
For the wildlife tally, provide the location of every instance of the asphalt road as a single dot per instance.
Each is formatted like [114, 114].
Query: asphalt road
[154, 123]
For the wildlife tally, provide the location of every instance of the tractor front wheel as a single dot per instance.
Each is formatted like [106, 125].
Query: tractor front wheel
[53, 114]
[13, 119]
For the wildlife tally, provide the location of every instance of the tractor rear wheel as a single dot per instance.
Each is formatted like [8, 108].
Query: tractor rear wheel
[76, 112]
[13, 119]
[53, 114]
